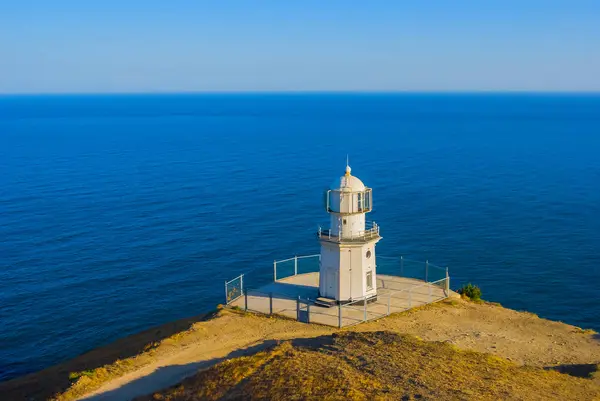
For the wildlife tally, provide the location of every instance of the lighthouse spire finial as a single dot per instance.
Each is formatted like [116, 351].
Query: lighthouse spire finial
[348, 169]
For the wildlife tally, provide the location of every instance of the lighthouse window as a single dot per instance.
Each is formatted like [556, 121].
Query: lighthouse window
[367, 200]
[345, 221]
[368, 254]
[369, 280]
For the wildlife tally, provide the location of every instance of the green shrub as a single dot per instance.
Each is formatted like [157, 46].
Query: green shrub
[73, 376]
[471, 291]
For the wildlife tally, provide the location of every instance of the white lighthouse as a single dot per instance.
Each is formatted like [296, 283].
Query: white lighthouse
[348, 267]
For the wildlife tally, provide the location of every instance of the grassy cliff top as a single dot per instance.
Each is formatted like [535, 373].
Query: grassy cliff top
[376, 365]
[165, 355]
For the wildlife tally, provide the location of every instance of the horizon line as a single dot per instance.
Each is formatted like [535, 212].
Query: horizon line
[312, 92]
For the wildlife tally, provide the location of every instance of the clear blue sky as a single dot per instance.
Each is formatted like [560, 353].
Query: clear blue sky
[49, 46]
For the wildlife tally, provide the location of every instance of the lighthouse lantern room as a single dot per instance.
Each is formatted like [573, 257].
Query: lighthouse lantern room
[348, 267]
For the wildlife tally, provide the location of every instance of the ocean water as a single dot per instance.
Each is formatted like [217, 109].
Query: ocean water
[118, 213]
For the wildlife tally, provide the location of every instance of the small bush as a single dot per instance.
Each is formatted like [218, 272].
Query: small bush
[73, 376]
[470, 291]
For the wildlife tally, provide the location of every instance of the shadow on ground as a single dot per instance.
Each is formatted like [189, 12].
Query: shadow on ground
[168, 376]
[584, 370]
[55, 379]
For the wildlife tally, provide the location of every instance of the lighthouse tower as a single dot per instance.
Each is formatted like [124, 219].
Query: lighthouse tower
[347, 271]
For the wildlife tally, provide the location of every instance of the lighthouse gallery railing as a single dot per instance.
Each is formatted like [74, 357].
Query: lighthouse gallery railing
[371, 231]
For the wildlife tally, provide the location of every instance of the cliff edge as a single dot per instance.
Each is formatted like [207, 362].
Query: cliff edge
[500, 348]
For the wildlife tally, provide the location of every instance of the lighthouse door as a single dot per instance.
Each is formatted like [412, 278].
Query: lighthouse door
[331, 284]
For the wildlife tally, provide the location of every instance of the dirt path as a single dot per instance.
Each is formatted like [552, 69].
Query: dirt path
[230, 335]
[521, 337]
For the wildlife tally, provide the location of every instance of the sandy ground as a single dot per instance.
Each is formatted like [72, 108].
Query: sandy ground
[519, 336]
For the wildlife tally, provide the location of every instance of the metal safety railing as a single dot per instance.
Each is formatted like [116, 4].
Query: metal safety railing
[234, 289]
[348, 314]
[238, 286]
[296, 265]
[409, 268]
[402, 284]
[371, 231]
[394, 301]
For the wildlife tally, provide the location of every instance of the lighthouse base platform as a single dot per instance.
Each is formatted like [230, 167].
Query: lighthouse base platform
[295, 297]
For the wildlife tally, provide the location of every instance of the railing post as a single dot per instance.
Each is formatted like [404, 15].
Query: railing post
[365, 303]
[296, 265]
[270, 303]
[340, 316]
[242, 284]
[226, 294]
[447, 286]
[401, 265]
[426, 270]
[246, 301]
[274, 270]
[389, 302]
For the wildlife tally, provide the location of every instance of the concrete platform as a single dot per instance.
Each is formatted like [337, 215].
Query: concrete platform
[394, 294]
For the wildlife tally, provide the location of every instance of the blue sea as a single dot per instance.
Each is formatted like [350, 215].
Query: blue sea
[118, 213]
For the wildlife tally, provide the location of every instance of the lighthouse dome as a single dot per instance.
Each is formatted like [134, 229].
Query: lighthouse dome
[348, 182]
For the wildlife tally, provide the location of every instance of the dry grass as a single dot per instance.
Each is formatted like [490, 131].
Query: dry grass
[87, 380]
[84, 382]
[485, 327]
[372, 366]
[92, 369]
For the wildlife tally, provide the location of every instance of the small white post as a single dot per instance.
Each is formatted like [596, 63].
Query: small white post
[241, 284]
[275, 270]
[447, 286]
[365, 303]
[296, 265]
[340, 316]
